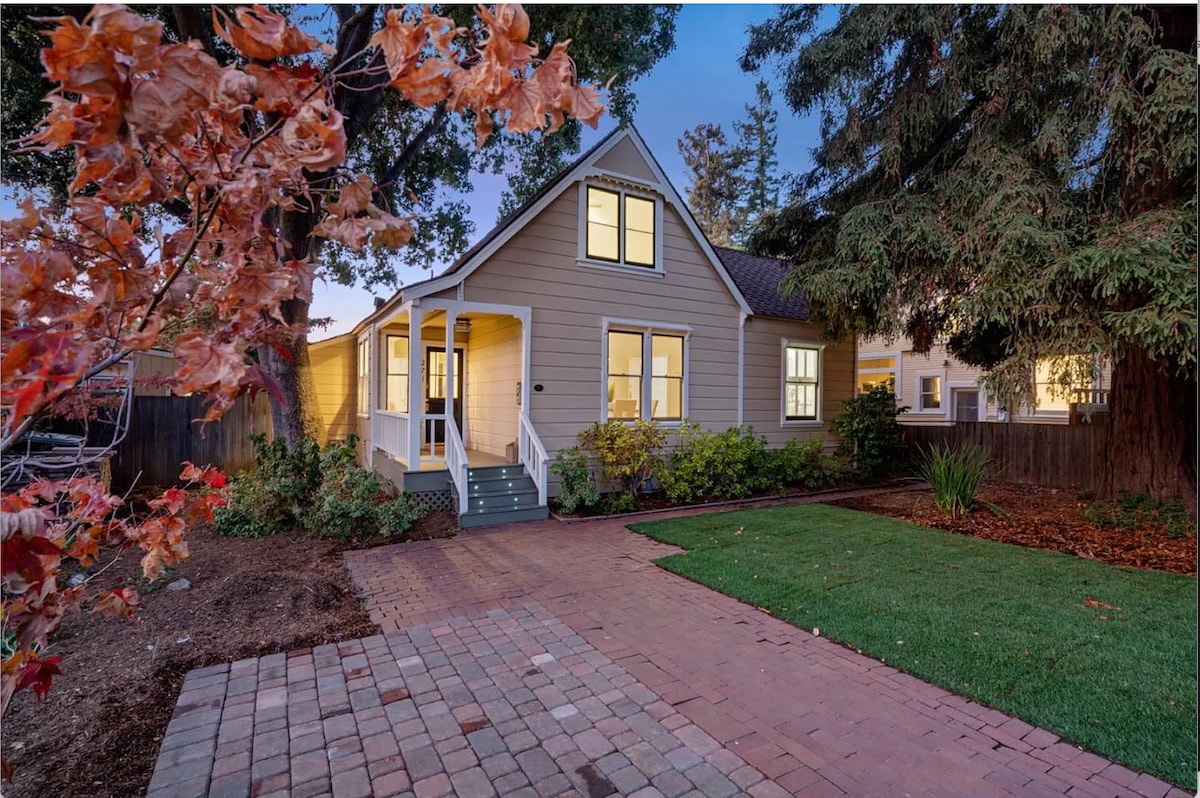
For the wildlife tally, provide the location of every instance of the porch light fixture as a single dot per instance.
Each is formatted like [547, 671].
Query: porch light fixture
[462, 325]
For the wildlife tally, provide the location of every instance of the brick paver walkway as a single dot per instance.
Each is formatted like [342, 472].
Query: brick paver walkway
[562, 648]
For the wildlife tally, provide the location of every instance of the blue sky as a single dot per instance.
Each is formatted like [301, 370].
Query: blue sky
[700, 81]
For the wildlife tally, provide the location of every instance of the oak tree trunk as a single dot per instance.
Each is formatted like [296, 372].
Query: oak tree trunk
[298, 416]
[1151, 432]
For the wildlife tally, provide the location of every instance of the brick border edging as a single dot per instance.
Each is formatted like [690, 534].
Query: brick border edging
[894, 487]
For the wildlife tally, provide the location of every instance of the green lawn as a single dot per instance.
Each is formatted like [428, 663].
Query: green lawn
[1005, 625]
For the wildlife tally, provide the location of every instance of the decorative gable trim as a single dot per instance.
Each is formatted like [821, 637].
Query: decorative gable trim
[580, 172]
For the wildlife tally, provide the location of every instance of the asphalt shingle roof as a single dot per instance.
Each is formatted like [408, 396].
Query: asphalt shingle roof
[758, 280]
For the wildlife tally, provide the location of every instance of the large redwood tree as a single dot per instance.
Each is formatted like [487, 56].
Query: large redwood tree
[1018, 179]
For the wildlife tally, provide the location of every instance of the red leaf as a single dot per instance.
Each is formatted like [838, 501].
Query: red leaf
[38, 672]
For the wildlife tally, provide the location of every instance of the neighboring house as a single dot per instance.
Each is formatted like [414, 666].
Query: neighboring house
[598, 299]
[938, 388]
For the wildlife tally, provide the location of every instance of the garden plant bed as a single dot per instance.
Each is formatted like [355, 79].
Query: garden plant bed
[1040, 518]
[98, 733]
[656, 502]
[1103, 656]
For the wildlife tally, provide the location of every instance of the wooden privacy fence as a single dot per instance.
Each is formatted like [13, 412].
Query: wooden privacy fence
[163, 433]
[1054, 455]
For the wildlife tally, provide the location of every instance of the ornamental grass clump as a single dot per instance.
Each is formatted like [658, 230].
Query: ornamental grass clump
[955, 475]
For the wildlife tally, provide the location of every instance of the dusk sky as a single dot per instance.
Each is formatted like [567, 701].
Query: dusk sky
[700, 81]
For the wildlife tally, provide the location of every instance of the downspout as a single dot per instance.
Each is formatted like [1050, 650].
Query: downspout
[741, 377]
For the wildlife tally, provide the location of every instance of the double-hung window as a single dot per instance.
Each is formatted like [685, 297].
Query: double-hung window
[620, 228]
[929, 393]
[644, 375]
[395, 389]
[364, 376]
[801, 382]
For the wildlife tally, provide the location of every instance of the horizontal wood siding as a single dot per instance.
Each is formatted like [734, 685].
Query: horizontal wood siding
[493, 373]
[1053, 455]
[155, 366]
[335, 375]
[955, 374]
[538, 269]
[763, 400]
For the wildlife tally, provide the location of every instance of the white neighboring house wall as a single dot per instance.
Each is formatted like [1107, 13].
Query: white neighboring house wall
[911, 371]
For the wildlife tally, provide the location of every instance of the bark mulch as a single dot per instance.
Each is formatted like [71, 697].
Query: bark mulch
[98, 733]
[1042, 518]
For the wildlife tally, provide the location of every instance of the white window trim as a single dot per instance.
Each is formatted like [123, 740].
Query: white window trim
[806, 343]
[359, 359]
[619, 265]
[646, 328]
[942, 411]
[896, 354]
[385, 353]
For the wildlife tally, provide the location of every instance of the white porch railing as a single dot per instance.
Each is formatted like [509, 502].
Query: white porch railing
[456, 464]
[389, 432]
[532, 454]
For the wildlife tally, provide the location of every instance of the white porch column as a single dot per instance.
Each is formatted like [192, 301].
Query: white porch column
[449, 388]
[416, 378]
[372, 390]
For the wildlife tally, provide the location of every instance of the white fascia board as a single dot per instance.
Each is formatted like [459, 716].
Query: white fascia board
[681, 207]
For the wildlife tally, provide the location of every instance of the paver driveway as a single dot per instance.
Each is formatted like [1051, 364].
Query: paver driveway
[548, 658]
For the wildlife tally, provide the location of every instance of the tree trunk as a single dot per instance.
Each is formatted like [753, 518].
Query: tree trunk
[298, 416]
[1151, 432]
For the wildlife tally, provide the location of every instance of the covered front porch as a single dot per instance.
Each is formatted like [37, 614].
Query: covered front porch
[449, 382]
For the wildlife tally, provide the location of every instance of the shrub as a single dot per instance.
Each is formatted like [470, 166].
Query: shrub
[1138, 512]
[871, 437]
[626, 453]
[577, 487]
[324, 491]
[804, 464]
[714, 464]
[955, 476]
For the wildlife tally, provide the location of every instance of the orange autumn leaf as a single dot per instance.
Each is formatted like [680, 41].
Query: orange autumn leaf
[426, 85]
[400, 41]
[261, 33]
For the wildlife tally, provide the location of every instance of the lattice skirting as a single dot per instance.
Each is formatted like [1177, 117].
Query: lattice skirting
[435, 500]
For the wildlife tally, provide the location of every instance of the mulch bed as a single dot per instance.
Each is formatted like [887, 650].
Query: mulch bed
[1042, 518]
[98, 733]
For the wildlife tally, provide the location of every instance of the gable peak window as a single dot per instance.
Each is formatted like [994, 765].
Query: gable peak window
[620, 227]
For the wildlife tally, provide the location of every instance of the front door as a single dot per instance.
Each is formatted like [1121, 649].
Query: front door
[966, 404]
[435, 388]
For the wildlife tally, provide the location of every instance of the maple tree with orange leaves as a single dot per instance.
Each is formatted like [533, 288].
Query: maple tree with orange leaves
[253, 153]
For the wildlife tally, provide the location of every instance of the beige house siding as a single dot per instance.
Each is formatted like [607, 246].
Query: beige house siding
[538, 268]
[763, 402]
[624, 159]
[152, 365]
[493, 374]
[333, 369]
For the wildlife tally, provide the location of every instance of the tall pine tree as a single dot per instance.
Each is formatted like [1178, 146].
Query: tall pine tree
[1024, 175]
[716, 185]
[757, 138]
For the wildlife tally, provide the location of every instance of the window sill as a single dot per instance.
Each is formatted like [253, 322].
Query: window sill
[624, 268]
[937, 411]
[815, 422]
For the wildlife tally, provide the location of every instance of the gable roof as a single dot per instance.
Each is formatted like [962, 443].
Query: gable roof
[758, 280]
[511, 224]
